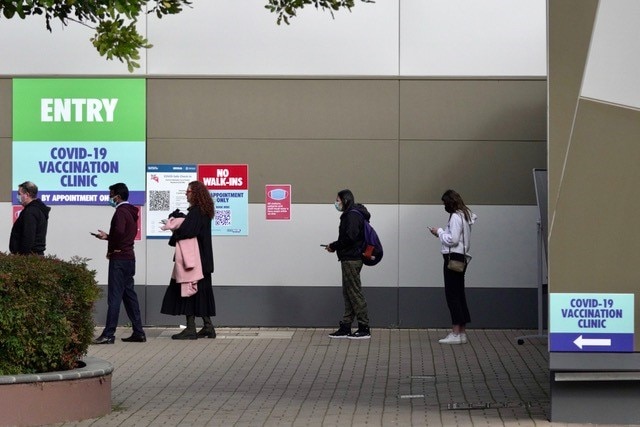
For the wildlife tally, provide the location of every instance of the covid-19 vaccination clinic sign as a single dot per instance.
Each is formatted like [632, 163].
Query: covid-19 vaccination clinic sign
[75, 137]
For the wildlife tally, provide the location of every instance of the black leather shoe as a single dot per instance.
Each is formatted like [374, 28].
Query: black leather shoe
[206, 332]
[104, 340]
[135, 338]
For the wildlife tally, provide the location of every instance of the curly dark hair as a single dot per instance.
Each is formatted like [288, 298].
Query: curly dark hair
[202, 198]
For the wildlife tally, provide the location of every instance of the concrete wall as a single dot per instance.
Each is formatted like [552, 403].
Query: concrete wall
[382, 103]
[594, 128]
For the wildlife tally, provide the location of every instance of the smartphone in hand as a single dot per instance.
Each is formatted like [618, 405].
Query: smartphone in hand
[94, 234]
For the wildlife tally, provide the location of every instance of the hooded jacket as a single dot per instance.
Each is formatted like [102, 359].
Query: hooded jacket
[29, 232]
[456, 237]
[122, 233]
[350, 241]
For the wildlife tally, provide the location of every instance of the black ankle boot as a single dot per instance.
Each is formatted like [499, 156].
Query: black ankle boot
[190, 332]
[208, 330]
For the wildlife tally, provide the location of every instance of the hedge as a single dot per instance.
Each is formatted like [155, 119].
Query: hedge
[46, 313]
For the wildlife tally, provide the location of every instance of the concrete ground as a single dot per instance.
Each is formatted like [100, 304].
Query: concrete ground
[301, 377]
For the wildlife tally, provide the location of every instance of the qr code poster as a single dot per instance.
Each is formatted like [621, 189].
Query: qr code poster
[228, 185]
[166, 186]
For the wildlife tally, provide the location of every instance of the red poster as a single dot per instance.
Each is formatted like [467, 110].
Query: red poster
[278, 202]
[16, 211]
[224, 177]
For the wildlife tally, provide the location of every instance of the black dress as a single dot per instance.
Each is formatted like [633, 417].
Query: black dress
[202, 303]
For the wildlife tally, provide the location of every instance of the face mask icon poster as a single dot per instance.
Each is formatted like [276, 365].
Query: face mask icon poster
[278, 202]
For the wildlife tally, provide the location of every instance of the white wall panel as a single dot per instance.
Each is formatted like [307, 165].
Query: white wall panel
[27, 48]
[473, 38]
[231, 37]
[613, 66]
[288, 253]
[503, 247]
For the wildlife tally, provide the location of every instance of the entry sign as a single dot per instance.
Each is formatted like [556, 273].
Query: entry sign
[278, 202]
[591, 322]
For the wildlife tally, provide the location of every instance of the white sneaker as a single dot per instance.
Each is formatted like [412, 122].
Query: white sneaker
[452, 339]
[463, 338]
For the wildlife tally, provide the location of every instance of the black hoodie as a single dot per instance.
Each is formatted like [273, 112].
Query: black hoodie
[29, 232]
[350, 241]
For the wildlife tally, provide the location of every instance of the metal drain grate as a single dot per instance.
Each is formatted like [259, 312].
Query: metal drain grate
[486, 405]
[285, 335]
[282, 335]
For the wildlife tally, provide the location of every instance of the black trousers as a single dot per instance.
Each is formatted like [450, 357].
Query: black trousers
[454, 292]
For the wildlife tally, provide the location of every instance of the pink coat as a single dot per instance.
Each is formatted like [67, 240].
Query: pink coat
[187, 268]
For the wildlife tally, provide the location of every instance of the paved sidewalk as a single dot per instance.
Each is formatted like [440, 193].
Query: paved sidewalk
[301, 377]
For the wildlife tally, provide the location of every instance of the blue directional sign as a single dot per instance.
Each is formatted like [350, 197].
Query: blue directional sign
[591, 322]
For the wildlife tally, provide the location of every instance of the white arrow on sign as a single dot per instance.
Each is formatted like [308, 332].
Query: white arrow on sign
[604, 342]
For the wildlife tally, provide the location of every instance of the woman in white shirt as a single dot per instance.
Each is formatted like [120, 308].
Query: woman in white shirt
[456, 241]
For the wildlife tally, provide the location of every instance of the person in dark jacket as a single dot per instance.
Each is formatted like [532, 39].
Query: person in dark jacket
[122, 267]
[29, 232]
[349, 250]
[197, 223]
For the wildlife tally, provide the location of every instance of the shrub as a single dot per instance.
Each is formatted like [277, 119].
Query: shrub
[46, 313]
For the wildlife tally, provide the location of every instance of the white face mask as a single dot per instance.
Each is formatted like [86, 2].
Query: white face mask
[338, 206]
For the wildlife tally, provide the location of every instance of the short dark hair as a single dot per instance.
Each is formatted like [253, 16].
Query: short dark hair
[120, 189]
[30, 188]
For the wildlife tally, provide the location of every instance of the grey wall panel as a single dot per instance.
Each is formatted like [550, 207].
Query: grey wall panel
[595, 402]
[510, 110]
[484, 172]
[591, 228]
[613, 64]
[489, 308]
[273, 306]
[266, 109]
[570, 26]
[5, 169]
[6, 100]
[316, 169]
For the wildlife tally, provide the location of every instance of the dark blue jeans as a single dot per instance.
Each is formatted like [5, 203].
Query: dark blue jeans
[120, 289]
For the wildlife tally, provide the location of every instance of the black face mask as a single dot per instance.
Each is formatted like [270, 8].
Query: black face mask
[449, 209]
